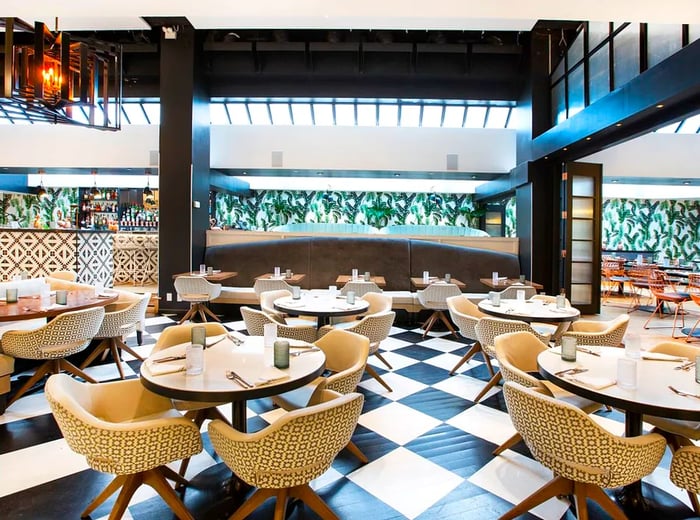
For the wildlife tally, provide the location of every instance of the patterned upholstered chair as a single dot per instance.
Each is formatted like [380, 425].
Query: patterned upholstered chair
[589, 332]
[466, 315]
[267, 299]
[198, 292]
[67, 334]
[434, 297]
[346, 357]
[360, 287]
[283, 458]
[255, 321]
[685, 471]
[197, 411]
[678, 433]
[487, 330]
[378, 302]
[517, 353]
[596, 458]
[124, 429]
[376, 327]
[511, 293]
[115, 325]
[263, 285]
[555, 331]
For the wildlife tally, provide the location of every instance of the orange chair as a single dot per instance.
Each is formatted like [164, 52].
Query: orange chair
[664, 292]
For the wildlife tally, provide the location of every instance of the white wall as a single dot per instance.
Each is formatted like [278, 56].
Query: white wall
[363, 148]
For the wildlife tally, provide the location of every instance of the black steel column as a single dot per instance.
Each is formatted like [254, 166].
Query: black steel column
[184, 158]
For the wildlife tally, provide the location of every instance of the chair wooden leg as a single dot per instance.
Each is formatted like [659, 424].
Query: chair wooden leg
[107, 492]
[381, 358]
[156, 480]
[514, 439]
[281, 504]
[371, 371]
[476, 347]
[127, 348]
[555, 487]
[604, 501]
[352, 448]
[492, 382]
[116, 358]
[130, 485]
[44, 369]
[171, 474]
[66, 365]
[254, 501]
[315, 502]
[429, 324]
[190, 312]
[210, 313]
[99, 349]
[447, 323]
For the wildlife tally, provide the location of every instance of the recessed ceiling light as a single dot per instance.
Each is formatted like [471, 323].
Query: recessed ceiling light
[245, 173]
[565, 149]
[546, 157]
[618, 124]
[660, 105]
[588, 138]
[614, 181]
[473, 176]
[686, 183]
[319, 173]
[397, 175]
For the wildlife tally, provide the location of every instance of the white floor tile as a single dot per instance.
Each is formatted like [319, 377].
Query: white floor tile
[30, 467]
[514, 477]
[108, 371]
[448, 361]
[443, 345]
[26, 407]
[397, 361]
[406, 481]
[465, 386]
[158, 320]
[660, 479]
[390, 344]
[398, 423]
[401, 386]
[484, 422]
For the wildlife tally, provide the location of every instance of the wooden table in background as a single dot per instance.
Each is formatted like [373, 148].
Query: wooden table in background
[418, 282]
[345, 278]
[502, 284]
[31, 307]
[295, 279]
[214, 277]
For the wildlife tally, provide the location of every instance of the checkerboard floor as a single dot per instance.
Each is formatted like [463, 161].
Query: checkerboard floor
[428, 443]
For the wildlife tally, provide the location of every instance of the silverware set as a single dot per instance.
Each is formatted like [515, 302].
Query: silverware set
[588, 351]
[305, 350]
[682, 393]
[570, 371]
[685, 366]
[230, 374]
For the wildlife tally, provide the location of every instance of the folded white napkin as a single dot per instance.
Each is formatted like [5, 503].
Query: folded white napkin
[270, 375]
[294, 304]
[595, 382]
[660, 356]
[159, 369]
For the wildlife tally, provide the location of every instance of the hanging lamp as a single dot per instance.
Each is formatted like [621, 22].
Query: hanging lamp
[41, 192]
[147, 191]
[94, 191]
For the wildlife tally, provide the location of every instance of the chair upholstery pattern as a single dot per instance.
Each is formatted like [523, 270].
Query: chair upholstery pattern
[255, 321]
[71, 332]
[360, 287]
[684, 468]
[511, 293]
[609, 333]
[263, 285]
[293, 450]
[267, 299]
[376, 327]
[435, 295]
[547, 426]
[196, 289]
[112, 446]
[465, 315]
[123, 322]
[489, 328]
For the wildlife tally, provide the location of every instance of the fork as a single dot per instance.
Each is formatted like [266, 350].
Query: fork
[681, 393]
[300, 352]
[230, 374]
[685, 366]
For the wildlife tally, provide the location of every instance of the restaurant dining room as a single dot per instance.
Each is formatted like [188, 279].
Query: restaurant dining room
[421, 262]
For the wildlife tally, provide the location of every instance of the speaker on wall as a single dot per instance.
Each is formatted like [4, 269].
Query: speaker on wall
[276, 159]
[452, 161]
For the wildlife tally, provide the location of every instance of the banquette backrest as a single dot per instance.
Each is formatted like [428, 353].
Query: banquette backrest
[323, 258]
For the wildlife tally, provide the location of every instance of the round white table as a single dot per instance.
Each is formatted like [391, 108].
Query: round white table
[651, 397]
[529, 311]
[247, 360]
[320, 304]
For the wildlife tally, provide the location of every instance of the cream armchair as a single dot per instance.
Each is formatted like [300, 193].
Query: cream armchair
[604, 333]
[283, 458]
[346, 357]
[117, 324]
[466, 315]
[255, 321]
[434, 297]
[65, 335]
[123, 429]
[360, 287]
[583, 456]
[198, 292]
[517, 353]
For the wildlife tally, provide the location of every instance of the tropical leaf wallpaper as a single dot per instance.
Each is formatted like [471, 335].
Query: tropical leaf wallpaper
[671, 227]
[24, 209]
[266, 209]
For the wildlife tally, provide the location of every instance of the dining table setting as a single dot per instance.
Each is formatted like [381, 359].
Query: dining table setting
[322, 304]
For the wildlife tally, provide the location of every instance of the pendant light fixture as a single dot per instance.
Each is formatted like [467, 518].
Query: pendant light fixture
[147, 191]
[94, 191]
[41, 192]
